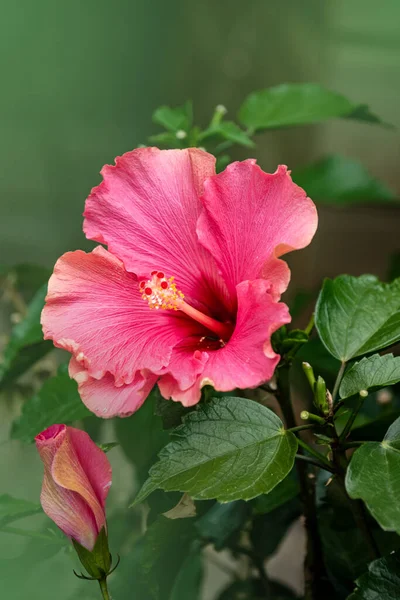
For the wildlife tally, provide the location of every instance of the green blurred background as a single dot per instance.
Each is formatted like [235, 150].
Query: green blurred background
[79, 83]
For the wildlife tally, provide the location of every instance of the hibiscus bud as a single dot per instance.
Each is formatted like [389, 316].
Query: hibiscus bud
[309, 373]
[77, 477]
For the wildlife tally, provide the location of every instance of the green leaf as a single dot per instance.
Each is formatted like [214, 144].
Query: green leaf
[57, 401]
[25, 278]
[297, 104]
[358, 315]
[222, 162]
[229, 449]
[142, 436]
[12, 509]
[108, 446]
[285, 490]
[381, 582]
[174, 119]
[188, 581]
[363, 113]
[222, 521]
[374, 476]
[341, 180]
[227, 130]
[166, 140]
[26, 345]
[162, 553]
[336, 526]
[370, 373]
[171, 412]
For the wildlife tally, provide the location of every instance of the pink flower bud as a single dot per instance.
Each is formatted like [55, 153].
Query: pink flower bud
[77, 477]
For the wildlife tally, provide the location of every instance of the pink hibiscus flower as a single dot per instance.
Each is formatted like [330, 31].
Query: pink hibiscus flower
[187, 293]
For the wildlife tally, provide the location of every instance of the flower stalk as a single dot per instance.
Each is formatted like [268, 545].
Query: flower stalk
[104, 589]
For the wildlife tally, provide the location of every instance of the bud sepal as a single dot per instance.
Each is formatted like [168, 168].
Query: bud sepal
[97, 562]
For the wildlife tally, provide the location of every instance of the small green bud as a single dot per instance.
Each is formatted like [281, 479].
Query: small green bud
[309, 373]
[219, 113]
[180, 134]
[221, 109]
[363, 393]
[307, 416]
[320, 399]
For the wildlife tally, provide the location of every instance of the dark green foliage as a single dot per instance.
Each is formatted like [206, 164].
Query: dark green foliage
[57, 401]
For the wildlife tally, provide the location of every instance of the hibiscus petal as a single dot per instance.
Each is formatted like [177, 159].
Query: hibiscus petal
[248, 359]
[69, 512]
[104, 398]
[94, 309]
[251, 218]
[171, 390]
[94, 463]
[67, 508]
[146, 211]
[68, 472]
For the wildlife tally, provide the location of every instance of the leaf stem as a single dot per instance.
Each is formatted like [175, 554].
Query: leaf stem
[104, 589]
[353, 444]
[338, 380]
[314, 453]
[312, 461]
[301, 427]
[310, 325]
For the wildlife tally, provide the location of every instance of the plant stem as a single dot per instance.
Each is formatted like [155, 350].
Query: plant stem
[259, 564]
[340, 462]
[356, 506]
[104, 589]
[314, 568]
[312, 461]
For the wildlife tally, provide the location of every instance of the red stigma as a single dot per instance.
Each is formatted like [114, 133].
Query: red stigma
[148, 291]
[160, 275]
[154, 272]
[164, 285]
[142, 284]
